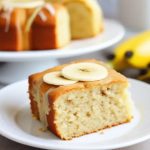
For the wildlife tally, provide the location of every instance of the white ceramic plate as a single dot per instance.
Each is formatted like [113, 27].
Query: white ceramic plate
[17, 124]
[113, 33]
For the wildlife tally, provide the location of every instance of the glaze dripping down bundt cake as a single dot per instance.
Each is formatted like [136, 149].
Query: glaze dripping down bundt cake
[51, 28]
[12, 23]
[33, 25]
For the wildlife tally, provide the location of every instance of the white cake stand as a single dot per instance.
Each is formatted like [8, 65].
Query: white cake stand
[18, 65]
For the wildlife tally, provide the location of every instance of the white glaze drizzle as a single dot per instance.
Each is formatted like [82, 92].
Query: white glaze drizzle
[42, 16]
[50, 8]
[31, 19]
[7, 15]
[38, 11]
[9, 6]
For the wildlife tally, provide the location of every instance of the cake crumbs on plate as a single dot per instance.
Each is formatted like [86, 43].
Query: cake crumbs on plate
[101, 132]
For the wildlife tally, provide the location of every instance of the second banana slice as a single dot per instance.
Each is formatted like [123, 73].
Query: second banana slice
[55, 78]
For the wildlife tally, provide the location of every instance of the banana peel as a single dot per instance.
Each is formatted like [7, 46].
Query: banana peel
[135, 52]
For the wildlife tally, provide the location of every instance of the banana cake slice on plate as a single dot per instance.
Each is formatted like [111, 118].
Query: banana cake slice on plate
[79, 98]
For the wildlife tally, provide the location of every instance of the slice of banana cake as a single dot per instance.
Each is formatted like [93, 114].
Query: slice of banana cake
[79, 98]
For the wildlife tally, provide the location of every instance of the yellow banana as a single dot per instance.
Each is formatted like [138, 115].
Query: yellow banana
[135, 52]
[141, 53]
[117, 59]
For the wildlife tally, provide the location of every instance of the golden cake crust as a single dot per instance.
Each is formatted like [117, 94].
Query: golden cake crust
[112, 77]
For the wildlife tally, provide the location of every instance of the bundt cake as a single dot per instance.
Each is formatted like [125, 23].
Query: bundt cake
[57, 22]
[33, 25]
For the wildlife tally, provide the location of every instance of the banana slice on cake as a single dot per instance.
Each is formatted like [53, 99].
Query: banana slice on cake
[84, 72]
[55, 78]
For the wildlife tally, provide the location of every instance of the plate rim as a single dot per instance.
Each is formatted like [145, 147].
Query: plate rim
[65, 147]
